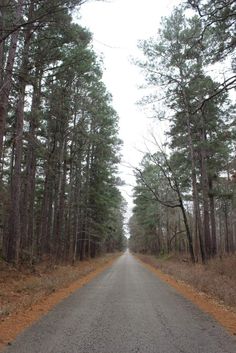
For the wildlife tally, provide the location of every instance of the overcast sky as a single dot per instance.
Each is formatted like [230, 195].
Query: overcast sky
[117, 25]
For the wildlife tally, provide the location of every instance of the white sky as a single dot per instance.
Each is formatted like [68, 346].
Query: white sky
[117, 25]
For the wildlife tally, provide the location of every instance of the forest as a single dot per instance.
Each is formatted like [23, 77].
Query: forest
[59, 145]
[185, 193]
[113, 240]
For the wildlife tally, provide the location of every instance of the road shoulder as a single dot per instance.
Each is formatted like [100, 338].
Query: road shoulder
[25, 315]
[224, 315]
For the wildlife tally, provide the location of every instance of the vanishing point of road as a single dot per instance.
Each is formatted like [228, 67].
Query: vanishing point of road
[126, 309]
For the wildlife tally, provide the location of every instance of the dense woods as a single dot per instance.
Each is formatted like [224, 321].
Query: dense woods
[59, 148]
[185, 197]
[59, 145]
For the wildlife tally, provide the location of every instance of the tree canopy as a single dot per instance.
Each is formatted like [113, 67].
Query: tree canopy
[59, 145]
[201, 133]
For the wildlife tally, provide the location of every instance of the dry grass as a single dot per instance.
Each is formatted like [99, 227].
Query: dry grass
[26, 296]
[217, 278]
[20, 290]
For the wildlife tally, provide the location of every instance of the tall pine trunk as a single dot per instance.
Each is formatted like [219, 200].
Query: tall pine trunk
[7, 79]
[205, 195]
[212, 217]
[60, 210]
[15, 209]
[28, 199]
[196, 202]
[2, 8]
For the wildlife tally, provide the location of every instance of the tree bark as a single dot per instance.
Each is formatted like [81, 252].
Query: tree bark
[15, 211]
[2, 7]
[205, 196]
[213, 219]
[7, 80]
[196, 202]
[59, 213]
[28, 199]
[188, 232]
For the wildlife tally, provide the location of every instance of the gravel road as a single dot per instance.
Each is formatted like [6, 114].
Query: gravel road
[126, 309]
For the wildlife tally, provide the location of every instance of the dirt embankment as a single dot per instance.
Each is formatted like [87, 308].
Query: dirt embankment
[25, 295]
[211, 287]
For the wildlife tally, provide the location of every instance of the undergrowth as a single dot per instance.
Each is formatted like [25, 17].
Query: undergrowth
[217, 278]
[20, 289]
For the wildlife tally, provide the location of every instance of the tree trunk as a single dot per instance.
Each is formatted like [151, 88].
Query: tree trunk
[7, 80]
[86, 201]
[212, 215]
[59, 216]
[45, 233]
[196, 202]
[15, 211]
[189, 236]
[14, 221]
[205, 195]
[77, 210]
[2, 8]
[227, 242]
[28, 222]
